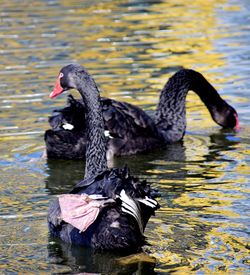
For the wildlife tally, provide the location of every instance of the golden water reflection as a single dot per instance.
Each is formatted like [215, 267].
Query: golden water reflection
[131, 48]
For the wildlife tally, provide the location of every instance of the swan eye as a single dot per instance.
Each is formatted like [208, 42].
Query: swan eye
[61, 75]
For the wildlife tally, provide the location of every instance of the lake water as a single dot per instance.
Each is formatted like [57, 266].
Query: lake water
[131, 48]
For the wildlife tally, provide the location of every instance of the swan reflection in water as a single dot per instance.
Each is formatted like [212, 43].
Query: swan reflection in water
[63, 175]
[76, 259]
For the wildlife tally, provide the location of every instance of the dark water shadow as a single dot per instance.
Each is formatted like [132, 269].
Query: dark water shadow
[170, 160]
[64, 174]
[80, 259]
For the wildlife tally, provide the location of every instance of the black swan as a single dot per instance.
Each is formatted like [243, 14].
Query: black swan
[109, 209]
[133, 130]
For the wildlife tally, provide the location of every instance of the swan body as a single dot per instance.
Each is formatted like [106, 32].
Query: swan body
[132, 129]
[125, 205]
[109, 209]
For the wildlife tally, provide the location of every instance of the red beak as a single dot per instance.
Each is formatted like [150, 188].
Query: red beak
[57, 89]
[237, 126]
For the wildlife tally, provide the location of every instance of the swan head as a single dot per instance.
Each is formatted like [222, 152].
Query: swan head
[227, 117]
[67, 79]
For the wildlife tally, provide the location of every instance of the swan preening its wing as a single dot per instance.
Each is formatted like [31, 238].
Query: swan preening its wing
[132, 129]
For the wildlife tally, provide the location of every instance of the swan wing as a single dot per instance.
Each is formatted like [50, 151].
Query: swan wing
[126, 120]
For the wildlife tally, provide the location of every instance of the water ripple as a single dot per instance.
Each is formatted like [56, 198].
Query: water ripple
[131, 48]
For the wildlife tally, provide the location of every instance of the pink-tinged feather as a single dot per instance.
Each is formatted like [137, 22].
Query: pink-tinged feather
[79, 210]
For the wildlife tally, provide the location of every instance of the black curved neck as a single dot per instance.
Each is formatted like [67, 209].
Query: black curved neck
[170, 115]
[96, 143]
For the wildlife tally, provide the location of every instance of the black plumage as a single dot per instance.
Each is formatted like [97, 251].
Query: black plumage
[125, 202]
[113, 229]
[132, 129]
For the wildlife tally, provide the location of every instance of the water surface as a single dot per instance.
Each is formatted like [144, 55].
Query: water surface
[131, 48]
